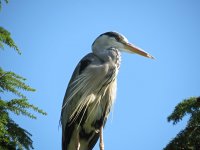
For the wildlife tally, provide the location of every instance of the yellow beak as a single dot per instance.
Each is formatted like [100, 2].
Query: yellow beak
[133, 49]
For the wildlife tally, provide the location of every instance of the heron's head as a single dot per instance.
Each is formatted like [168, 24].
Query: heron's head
[118, 41]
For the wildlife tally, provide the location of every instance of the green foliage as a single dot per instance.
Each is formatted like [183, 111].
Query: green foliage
[188, 138]
[12, 136]
[5, 38]
[12, 82]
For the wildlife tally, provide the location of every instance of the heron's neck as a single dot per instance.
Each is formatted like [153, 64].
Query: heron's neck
[110, 55]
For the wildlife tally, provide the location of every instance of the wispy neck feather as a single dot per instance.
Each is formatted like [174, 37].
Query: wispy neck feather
[111, 56]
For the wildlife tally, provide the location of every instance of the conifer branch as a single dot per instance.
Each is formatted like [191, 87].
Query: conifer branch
[188, 138]
[5, 38]
[12, 136]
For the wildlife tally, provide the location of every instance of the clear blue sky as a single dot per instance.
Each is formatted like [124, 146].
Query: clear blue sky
[54, 35]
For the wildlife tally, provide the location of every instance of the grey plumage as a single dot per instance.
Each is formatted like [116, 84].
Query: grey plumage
[91, 92]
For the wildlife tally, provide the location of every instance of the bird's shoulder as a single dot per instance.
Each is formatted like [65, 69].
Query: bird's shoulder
[84, 63]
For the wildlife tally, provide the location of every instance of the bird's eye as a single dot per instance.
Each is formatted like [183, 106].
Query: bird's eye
[118, 38]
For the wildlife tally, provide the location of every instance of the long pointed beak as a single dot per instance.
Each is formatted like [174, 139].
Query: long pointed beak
[133, 49]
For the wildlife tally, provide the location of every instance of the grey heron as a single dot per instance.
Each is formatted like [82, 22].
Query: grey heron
[91, 92]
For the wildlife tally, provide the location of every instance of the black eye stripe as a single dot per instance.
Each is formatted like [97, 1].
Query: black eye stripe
[114, 35]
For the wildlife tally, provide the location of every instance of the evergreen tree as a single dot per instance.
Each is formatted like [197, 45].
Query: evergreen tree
[12, 136]
[188, 138]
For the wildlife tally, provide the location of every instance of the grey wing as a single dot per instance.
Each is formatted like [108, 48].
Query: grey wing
[69, 104]
[90, 75]
[72, 98]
